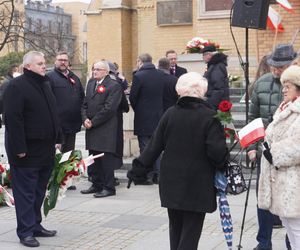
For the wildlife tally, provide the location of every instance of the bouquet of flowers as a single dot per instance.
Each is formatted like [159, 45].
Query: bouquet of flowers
[6, 197]
[66, 167]
[5, 175]
[198, 43]
[225, 117]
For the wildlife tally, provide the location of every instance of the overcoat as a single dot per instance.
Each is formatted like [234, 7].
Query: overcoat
[31, 121]
[69, 95]
[217, 77]
[279, 189]
[193, 145]
[102, 108]
[146, 99]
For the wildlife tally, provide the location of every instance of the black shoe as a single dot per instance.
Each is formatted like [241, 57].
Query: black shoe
[148, 182]
[276, 226]
[45, 233]
[30, 241]
[116, 182]
[104, 193]
[72, 187]
[155, 179]
[260, 248]
[90, 190]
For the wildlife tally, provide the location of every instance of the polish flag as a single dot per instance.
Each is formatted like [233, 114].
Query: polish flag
[274, 20]
[286, 5]
[252, 132]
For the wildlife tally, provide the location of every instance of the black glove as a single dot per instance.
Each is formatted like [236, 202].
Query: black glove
[267, 152]
[137, 174]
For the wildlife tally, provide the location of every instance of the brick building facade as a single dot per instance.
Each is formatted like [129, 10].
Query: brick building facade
[119, 30]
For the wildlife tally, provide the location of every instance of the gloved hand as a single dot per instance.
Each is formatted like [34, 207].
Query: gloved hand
[137, 174]
[267, 152]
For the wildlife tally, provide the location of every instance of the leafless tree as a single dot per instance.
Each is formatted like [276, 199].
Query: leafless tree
[7, 9]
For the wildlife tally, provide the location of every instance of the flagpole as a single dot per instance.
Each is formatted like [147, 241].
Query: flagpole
[275, 38]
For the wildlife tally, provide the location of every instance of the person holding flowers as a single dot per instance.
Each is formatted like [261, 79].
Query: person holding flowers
[31, 132]
[216, 75]
[194, 147]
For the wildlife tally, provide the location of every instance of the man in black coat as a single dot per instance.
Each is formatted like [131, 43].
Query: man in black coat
[170, 95]
[146, 99]
[69, 95]
[100, 118]
[31, 132]
[174, 68]
[216, 75]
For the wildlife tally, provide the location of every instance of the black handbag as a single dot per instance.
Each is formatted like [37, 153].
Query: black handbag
[235, 180]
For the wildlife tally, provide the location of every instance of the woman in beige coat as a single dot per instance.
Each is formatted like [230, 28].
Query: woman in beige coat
[279, 185]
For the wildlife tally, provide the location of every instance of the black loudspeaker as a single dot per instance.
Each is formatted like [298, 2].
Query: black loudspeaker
[250, 13]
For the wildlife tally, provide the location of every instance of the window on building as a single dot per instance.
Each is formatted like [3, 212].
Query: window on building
[67, 27]
[214, 9]
[217, 8]
[29, 23]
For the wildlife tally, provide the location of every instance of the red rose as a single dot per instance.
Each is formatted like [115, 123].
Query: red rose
[100, 89]
[225, 106]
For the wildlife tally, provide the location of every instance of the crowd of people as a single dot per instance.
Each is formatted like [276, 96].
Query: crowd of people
[182, 144]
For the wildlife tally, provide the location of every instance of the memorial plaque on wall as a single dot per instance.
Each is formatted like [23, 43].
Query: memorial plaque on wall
[174, 12]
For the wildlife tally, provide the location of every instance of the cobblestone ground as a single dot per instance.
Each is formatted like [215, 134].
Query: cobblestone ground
[131, 220]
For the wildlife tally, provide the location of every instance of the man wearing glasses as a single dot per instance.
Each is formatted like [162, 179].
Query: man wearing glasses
[69, 95]
[100, 118]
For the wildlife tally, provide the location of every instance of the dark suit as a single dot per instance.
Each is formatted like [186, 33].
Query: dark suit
[146, 98]
[31, 128]
[69, 96]
[178, 71]
[102, 110]
[170, 95]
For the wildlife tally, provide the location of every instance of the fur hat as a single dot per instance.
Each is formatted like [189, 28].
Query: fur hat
[291, 74]
[282, 55]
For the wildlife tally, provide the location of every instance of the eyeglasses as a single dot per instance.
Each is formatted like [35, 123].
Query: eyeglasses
[62, 60]
[97, 69]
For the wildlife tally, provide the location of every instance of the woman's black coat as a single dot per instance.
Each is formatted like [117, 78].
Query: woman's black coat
[194, 146]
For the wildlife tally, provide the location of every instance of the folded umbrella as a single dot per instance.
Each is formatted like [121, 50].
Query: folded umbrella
[226, 221]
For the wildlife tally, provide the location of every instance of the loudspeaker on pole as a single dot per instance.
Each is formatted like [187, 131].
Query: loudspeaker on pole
[251, 14]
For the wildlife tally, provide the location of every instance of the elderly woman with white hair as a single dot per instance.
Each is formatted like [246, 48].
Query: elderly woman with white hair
[279, 183]
[193, 144]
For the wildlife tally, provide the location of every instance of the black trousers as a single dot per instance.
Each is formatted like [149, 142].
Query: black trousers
[102, 171]
[68, 142]
[185, 228]
[29, 187]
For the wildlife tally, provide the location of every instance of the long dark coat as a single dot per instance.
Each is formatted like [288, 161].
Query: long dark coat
[69, 95]
[217, 77]
[31, 121]
[102, 109]
[194, 145]
[146, 99]
[170, 95]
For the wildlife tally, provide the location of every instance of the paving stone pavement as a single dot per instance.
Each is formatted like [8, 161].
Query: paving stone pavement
[131, 220]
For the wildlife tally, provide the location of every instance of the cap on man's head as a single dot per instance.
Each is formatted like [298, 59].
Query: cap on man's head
[209, 48]
[283, 54]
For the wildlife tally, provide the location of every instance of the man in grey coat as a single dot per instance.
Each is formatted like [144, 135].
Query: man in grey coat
[99, 115]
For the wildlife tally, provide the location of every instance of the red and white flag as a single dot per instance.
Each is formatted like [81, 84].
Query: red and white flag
[252, 132]
[286, 5]
[274, 20]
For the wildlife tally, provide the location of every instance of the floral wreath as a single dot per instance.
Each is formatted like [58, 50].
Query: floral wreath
[198, 43]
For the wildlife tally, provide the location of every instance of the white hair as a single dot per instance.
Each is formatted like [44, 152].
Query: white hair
[191, 84]
[28, 57]
[102, 64]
